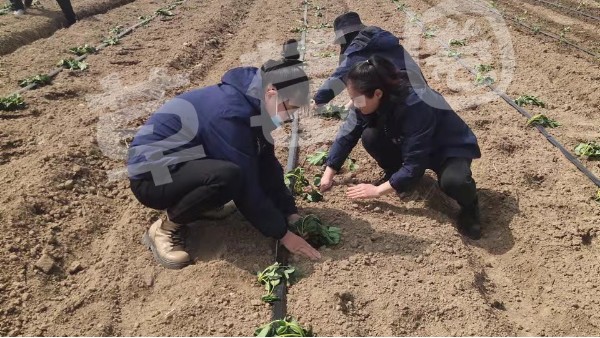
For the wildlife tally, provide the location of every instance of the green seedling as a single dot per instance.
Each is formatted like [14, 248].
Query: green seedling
[351, 164]
[299, 29]
[484, 68]
[82, 50]
[164, 12]
[429, 33]
[300, 185]
[116, 30]
[530, 100]
[333, 111]
[597, 196]
[112, 41]
[12, 102]
[564, 31]
[274, 275]
[453, 53]
[72, 64]
[287, 327]
[399, 5]
[542, 120]
[591, 150]
[482, 79]
[5, 9]
[322, 25]
[315, 232]
[327, 54]
[318, 158]
[38, 80]
[536, 29]
[457, 43]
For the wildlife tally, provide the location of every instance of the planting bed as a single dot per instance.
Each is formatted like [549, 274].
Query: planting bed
[401, 268]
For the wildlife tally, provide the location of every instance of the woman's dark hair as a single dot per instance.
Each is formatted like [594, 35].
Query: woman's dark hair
[379, 73]
[287, 74]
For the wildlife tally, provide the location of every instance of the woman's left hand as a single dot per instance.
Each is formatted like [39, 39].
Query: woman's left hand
[363, 191]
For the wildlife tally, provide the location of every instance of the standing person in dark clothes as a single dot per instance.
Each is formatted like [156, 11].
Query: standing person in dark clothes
[212, 145]
[357, 43]
[65, 6]
[404, 129]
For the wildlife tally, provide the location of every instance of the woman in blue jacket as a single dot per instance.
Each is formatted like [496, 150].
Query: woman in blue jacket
[212, 145]
[406, 130]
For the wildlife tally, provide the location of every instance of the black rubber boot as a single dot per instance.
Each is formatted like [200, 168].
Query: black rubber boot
[469, 221]
[67, 9]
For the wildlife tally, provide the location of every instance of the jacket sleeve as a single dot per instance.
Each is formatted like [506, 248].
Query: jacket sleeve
[418, 129]
[335, 84]
[346, 139]
[231, 139]
[271, 177]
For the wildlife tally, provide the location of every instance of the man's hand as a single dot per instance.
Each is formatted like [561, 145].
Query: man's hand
[363, 191]
[297, 245]
[327, 180]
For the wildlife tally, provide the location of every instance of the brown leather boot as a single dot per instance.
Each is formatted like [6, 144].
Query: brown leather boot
[165, 240]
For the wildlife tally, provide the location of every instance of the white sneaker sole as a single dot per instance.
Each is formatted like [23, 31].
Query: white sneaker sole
[147, 242]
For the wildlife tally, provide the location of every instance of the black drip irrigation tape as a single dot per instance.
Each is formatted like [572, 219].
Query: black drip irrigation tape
[511, 102]
[569, 9]
[100, 47]
[536, 30]
[279, 308]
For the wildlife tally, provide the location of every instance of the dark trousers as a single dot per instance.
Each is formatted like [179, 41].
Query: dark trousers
[65, 6]
[454, 175]
[197, 186]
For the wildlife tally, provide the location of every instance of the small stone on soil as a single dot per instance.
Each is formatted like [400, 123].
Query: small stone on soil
[45, 264]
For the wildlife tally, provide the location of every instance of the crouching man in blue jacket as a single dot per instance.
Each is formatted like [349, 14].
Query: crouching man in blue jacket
[212, 145]
[406, 130]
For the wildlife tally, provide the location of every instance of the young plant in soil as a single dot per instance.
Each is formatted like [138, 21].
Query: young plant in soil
[591, 150]
[542, 120]
[457, 43]
[12, 102]
[597, 196]
[274, 275]
[287, 327]
[5, 9]
[453, 53]
[301, 186]
[298, 29]
[333, 111]
[112, 41]
[429, 33]
[72, 64]
[399, 5]
[82, 50]
[483, 68]
[318, 158]
[164, 12]
[39, 80]
[351, 164]
[315, 232]
[530, 100]
[485, 80]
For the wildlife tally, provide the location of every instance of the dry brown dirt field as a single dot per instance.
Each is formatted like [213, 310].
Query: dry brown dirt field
[401, 268]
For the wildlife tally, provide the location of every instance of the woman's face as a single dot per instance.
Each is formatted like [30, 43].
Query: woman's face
[365, 104]
[276, 106]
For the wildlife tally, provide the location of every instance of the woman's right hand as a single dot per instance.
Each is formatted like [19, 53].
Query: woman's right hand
[298, 246]
[327, 180]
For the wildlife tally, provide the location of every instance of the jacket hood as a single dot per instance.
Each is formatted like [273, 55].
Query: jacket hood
[247, 81]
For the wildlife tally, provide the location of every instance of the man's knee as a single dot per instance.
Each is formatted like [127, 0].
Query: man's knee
[370, 139]
[231, 177]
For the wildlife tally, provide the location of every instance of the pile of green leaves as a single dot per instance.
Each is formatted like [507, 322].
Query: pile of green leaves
[542, 120]
[12, 102]
[82, 50]
[530, 100]
[315, 232]
[591, 150]
[300, 185]
[72, 64]
[274, 275]
[39, 80]
[457, 43]
[287, 327]
[332, 111]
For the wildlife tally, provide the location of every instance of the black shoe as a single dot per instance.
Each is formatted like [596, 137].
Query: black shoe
[469, 222]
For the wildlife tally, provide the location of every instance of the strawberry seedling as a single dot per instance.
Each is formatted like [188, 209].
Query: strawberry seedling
[300, 185]
[315, 232]
[333, 111]
[318, 158]
[453, 53]
[12, 102]
[112, 41]
[482, 79]
[457, 43]
[82, 50]
[429, 33]
[327, 54]
[351, 164]
[5, 9]
[298, 29]
[591, 150]
[38, 80]
[322, 25]
[72, 64]
[116, 30]
[399, 5]
[542, 120]
[274, 275]
[529, 100]
[287, 327]
[484, 68]
[164, 12]
[597, 196]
